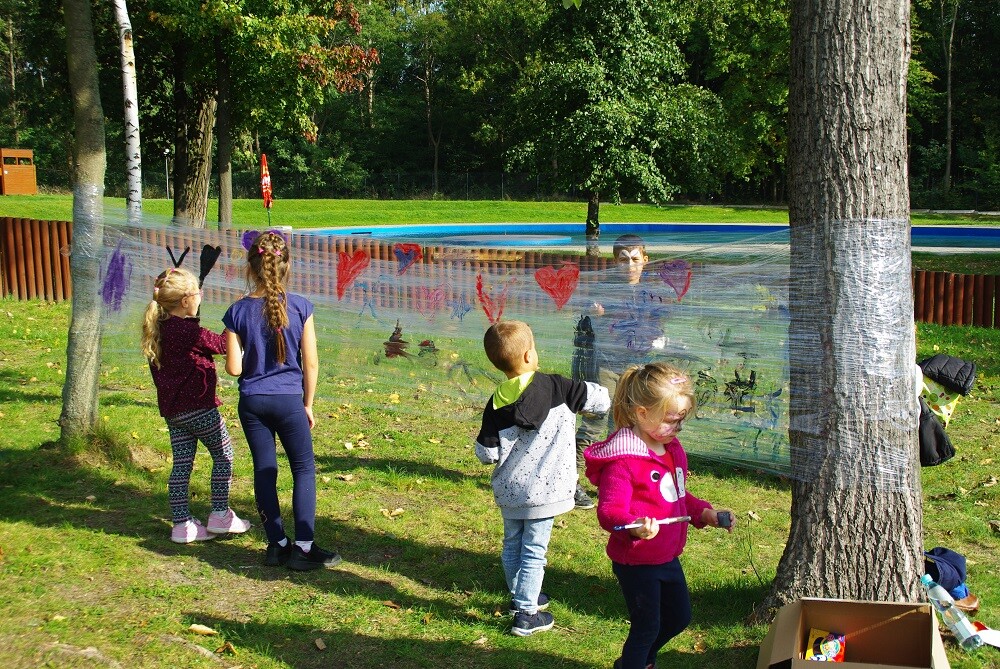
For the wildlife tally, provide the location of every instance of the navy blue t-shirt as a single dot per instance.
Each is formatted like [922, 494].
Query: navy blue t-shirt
[262, 375]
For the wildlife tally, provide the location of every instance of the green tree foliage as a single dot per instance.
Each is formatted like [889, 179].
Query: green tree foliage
[607, 107]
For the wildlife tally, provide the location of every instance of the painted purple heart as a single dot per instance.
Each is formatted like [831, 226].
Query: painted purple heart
[677, 275]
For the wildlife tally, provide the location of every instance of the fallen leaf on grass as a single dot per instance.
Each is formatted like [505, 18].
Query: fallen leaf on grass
[348, 445]
[392, 514]
[320, 644]
[326, 479]
[481, 641]
[202, 629]
[391, 604]
[57, 618]
[753, 515]
[345, 477]
[995, 526]
[91, 498]
[434, 441]
[226, 648]
[426, 619]
[992, 482]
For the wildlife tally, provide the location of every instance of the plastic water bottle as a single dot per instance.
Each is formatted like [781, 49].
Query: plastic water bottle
[953, 616]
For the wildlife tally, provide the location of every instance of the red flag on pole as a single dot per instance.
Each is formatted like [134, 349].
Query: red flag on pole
[265, 182]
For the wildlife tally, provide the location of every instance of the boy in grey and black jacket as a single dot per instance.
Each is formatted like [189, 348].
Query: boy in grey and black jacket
[528, 432]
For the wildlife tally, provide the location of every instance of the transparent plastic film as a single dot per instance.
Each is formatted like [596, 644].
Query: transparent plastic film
[400, 323]
[853, 409]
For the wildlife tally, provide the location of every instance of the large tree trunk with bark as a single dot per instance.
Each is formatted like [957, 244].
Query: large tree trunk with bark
[83, 351]
[223, 131]
[191, 191]
[856, 520]
[133, 154]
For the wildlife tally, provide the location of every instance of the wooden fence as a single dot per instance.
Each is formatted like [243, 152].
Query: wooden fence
[34, 264]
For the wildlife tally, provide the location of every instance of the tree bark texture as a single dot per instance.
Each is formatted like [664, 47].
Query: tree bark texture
[83, 350]
[133, 153]
[191, 193]
[856, 518]
[224, 130]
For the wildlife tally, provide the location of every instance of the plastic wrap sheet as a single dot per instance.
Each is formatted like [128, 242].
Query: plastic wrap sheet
[400, 325]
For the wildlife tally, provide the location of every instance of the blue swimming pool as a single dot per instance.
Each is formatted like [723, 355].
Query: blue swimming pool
[532, 235]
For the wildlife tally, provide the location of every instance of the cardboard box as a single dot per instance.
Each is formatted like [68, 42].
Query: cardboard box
[879, 635]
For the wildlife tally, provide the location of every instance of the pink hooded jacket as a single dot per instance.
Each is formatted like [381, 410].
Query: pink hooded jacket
[634, 482]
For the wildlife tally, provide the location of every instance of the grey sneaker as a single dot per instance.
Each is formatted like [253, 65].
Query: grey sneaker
[543, 603]
[527, 624]
[581, 500]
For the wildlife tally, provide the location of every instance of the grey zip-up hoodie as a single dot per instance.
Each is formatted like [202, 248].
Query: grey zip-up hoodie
[533, 444]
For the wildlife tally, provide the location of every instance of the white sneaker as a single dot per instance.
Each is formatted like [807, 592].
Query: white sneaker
[227, 523]
[188, 531]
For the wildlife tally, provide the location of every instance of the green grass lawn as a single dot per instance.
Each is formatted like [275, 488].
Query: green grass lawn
[339, 213]
[89, 576]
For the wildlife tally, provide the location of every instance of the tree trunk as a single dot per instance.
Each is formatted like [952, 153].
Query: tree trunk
[133, 153]
[13, 83]
[191, 193]
[223, 131]
[593, 229]
[83, 350]
[856, 520]
[948, 39]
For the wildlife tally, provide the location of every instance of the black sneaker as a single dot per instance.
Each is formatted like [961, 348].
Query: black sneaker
[316, 558]
[526, 624]
[277, 554]
[543, 603]
[581, 500]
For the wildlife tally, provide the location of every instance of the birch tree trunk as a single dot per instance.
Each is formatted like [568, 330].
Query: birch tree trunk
[83, 351]
[856, 518]
[133, 152]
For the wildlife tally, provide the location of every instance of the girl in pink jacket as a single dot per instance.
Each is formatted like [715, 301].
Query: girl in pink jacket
[640, 472]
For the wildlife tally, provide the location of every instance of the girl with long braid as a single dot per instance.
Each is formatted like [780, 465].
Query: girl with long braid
[180, 353]
[272, 349]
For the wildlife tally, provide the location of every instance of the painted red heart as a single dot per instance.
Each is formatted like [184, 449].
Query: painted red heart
[430, 300]
[560, 283]
[492, 307]
[676, 274]
[348, 268]
[406, 254]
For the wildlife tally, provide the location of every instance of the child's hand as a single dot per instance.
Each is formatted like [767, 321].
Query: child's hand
[597, 309]
[309, 415]
[647, 531]
[726, 522]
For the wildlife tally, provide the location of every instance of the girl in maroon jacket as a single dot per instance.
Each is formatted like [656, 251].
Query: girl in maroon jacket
[180, 353]
[641, 472]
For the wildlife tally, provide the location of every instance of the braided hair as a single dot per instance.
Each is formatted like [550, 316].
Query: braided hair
[268, 260]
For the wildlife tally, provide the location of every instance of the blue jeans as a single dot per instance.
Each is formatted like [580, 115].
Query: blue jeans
[263, 417]
[659, 608]
[523, 558]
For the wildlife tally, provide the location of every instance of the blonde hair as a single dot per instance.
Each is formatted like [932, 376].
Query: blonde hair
[505, 343]
[169, 290]
[657, 386]
[268, 260]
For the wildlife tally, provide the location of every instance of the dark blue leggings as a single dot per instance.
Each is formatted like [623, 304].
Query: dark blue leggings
[659, 608]
[263, 416]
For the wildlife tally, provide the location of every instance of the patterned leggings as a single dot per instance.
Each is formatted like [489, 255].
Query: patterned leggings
[186, 429]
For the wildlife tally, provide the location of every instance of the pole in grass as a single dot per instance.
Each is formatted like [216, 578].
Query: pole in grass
[265, 186]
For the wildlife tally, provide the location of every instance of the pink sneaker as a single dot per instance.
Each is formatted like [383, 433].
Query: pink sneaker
[227, 522]
[188, 531]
